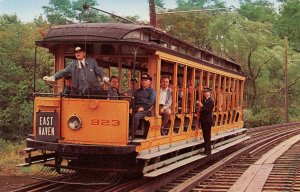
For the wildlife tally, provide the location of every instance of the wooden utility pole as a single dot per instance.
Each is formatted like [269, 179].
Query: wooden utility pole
[286, 80]
[152, 13]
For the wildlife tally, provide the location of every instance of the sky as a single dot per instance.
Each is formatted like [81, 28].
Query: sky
[27, 10]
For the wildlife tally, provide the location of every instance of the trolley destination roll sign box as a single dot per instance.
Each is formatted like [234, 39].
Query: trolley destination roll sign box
[46, 126]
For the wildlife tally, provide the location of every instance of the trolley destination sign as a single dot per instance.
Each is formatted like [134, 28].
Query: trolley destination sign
[46, 126]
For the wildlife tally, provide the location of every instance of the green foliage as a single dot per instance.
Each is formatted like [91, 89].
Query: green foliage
[294, 113]
[59, 11]
[188, 26]
[251, 42]
[244, 42]
[288, 22]
[199, 4]
[12, 154]
[262, 117]
[65, 12]
[190, 4]
[259, 10]
[16, 65]
[89, 16]
[160, 4]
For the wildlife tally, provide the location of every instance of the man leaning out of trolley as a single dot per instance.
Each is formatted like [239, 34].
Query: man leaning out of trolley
[83, 72]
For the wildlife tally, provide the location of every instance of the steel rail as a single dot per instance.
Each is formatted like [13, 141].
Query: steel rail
[192, 182]
[168, 178]
[260, 136]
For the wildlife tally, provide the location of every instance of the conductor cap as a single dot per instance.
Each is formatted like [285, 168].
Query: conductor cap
[78, 48]
[146, 76]
[206, 89]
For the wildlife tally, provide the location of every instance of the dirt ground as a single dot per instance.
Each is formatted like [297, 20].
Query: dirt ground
[9, 183]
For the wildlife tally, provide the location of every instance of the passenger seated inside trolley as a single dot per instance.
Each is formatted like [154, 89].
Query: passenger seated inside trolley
[165, 103]
[144, 99]
[85, 71]
[96, 130]
[113, 90]
[132, 87]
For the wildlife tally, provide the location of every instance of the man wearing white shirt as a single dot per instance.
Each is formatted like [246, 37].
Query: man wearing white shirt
[165, 102]
[83, 72]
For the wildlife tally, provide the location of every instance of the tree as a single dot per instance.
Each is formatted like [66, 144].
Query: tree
[16, 77]
[188, 26]
[160, 3]
[261, 54]
[59, 12]
[190, 4]
[199, 4]
[65, 12]
[258, 10]
[247, 43]
[246, 37]
[288, 23]
[89, 16]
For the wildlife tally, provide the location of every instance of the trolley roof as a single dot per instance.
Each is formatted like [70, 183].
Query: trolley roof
[143, 34]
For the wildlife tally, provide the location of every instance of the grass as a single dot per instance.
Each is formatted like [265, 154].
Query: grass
[11, 154]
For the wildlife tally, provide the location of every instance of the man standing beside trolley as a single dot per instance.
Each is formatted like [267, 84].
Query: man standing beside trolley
[206, 118]
[83, 72]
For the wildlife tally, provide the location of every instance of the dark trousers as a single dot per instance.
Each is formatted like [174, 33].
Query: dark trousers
[136, 120]
[165, 116]
[206, 130]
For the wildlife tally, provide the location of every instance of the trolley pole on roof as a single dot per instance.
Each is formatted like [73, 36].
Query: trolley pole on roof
[152, 13]
[286, 79]
[86, 6]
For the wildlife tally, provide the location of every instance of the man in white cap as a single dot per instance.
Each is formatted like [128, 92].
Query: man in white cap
[83, 72]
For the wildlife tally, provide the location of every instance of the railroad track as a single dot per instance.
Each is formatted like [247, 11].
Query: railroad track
[285, 175]
[218, 172]
[222, 173]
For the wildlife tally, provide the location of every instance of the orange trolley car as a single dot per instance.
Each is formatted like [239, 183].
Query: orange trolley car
[101, 141]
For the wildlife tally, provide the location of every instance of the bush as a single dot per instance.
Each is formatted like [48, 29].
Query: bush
[12, 154]
[262, 117]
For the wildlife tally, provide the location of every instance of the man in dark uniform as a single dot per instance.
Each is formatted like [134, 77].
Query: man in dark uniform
[144, 99]
[206, 118]
[83, 71]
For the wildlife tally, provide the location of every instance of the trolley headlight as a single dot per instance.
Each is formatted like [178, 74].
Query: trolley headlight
[74, 122]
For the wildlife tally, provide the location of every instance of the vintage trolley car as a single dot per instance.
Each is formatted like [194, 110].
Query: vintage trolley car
[102, 140]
